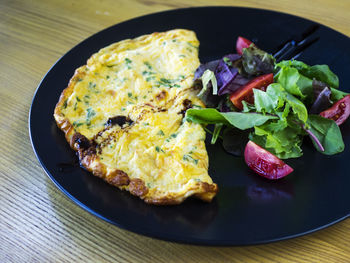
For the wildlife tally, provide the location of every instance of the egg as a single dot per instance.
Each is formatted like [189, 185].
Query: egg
[123, 112]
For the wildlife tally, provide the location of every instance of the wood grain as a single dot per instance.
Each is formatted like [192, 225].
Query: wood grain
[40, 224]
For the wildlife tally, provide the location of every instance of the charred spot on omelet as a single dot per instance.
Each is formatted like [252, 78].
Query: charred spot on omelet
[129, 102]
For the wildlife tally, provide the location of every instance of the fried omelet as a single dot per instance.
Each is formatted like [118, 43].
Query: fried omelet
[123, 113]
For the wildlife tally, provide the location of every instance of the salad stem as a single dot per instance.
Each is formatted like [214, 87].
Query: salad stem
[315, 139]
[312, 136]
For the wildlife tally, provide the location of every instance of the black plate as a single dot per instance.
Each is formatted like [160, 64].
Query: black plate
[248, 209]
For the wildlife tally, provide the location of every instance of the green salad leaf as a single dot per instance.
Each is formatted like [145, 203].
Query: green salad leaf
[240, 120]
[328, 133]
[337, 94]
[279, 138]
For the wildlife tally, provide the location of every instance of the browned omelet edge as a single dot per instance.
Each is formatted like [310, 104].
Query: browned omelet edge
[86, 151]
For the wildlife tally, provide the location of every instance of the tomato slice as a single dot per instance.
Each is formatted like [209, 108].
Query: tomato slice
[242, 43]
[246, 92]
[339, 112]
[265, 163]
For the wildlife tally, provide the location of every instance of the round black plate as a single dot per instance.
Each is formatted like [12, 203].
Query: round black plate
[248, 209]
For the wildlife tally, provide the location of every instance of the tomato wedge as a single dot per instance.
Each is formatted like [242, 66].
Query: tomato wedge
[246, 92]
[339, 112]
[265, 163]
[242, 43]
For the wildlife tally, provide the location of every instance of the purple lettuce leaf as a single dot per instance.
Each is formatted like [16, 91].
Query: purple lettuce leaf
[211, 65]
[224, 75]
[234, 85]
[322, 95]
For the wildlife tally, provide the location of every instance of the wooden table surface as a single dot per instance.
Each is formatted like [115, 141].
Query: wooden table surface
[38, 223]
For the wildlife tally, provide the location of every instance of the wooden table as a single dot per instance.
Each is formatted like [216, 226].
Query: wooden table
[38, 223]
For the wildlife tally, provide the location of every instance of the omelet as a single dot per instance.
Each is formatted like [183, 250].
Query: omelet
[123, 113]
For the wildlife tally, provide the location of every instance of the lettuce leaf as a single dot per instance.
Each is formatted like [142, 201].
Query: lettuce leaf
[208, 76]
[279, 138]
[328, 133]
[240, 120]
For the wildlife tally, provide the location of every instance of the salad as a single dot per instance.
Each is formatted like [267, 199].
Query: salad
[263, 109]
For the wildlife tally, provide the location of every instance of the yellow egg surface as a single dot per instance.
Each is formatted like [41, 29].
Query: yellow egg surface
[123, 113]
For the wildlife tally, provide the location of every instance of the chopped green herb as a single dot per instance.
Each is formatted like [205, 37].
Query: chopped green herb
[146, 124]
[191, 45]
[182, 56]
[173, 135]
[145, 97]
[78, 99]
[158, 149]
[150, 78]
[92, 85]
[174, 40]
[168, 82]
[160, 133]
[65, 104]
[128, 62]
[107, 77]
[197, 180]
[86, 99]
[182, 77]
[149, 185]
[164, 43]
[77, 123]
[129, 102]
[78, 80]
[129, 94]
[90, 113]
[123, 109]
[189, 158]
[75, 106]
[148, 65]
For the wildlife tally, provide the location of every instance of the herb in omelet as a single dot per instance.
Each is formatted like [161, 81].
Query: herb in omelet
[90, 113]
[193, 46]
[158, 149]
[128, 62]
[86, 99]
[160, 133]
[149, 75]
[77, 123]
[148, 65]
[65, 104]
[189, 158]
